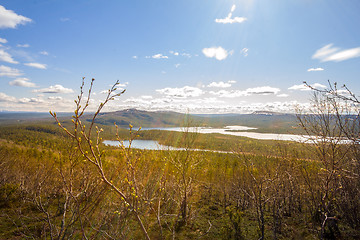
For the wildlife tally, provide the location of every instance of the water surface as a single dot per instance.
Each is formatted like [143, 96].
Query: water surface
[237, 131]
[141, 144]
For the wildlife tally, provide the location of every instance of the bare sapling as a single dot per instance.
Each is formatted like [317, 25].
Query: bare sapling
[89, 146]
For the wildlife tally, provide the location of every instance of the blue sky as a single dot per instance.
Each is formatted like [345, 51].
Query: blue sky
[195, 56]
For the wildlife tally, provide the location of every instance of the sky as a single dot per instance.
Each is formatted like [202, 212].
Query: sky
[196, 56]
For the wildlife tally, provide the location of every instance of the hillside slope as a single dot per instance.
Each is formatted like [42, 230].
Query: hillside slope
[139, 118]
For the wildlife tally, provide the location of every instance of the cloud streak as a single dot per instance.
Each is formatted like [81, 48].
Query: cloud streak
[329, 53]
[22, 82]
[36, 65]
[6, 98]
[9, 72]
[265, 90]
[3, 40]
[6, 57]
[315, 69]
[230, 20]
[245, 52]
[23, 45]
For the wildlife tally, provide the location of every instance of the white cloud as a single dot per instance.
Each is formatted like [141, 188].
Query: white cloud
[315, 69]
[230, 20]
[266, 90]
[228, 94]
[23, 45]
[221, 84]
[174, 104]
[9, 19]
[282, 95]
[183, 92]
[123, 84]
[9, 72]
[55, 89]
[324, 51]
[3, 40]
[45, 53]
[344, 55]
[204, 104]
[177, 65]
[303, 87]
[146, 97]
[244, 52]
[218, 52]
[36, 65]
[318, 85]
[330, 53]
[22, 82]
[31, 100]
[6, 57]
[6, 98]
[134, 57]
[159, 56]
[174, 53]
[57, 98]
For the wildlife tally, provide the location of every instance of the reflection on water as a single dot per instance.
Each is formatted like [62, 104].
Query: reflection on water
[142, 144]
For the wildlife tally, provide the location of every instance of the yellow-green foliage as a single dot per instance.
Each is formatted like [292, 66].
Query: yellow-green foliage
[226, 192]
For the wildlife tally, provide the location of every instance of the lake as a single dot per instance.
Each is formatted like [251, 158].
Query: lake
[153, 145]
[228, 130]
[240, 131]
[142, 144]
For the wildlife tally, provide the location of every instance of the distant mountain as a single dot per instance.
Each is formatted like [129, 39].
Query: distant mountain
[263, 121]
[269, 113]
[12, 117]
[139, 118]
[22, 115]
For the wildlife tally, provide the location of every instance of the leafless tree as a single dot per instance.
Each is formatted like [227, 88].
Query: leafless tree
[89, 147]
[333, 127]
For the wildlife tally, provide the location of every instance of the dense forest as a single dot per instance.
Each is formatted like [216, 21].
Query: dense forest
[58, 181]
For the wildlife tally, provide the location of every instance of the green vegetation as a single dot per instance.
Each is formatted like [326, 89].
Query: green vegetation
[63, 183]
